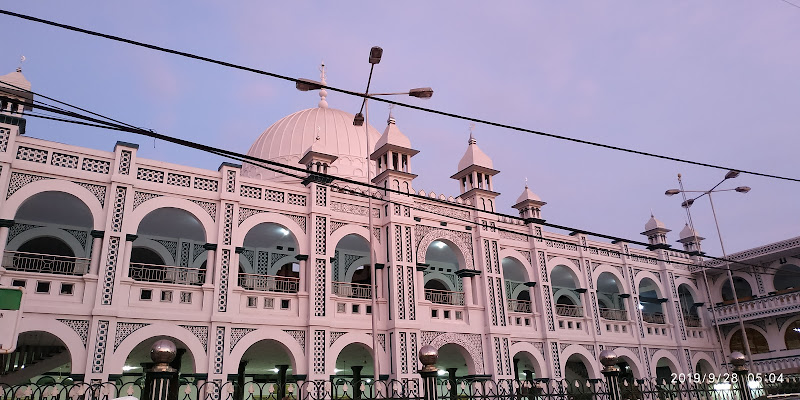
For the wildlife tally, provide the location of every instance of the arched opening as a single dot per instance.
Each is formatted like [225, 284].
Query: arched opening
[757, 341]
[787, 278]
[703, 367]
[269, 250]
[576, 369]
[525, 366]
[176, 232]
[650, 302]
[612, 306]
[792, 336]
[664, 369]
[354, 361]
[454, 362]
[517, 291]
[40, 357]
[147, 256]
[50, 239]
[743, 290]
[352, 276]
[566, 292]
[263, 364]
[444, 261]
[691, 317]
[139, 361]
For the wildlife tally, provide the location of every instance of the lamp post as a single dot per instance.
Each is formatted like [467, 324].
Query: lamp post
[375, 54]
[688, 203]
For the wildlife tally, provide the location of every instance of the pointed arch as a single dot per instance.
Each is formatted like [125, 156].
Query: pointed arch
[286, 341]
[270, 217]
[585, 356]
[70, 338]
[459, 240]
[135, 218]
[12, 204]
[115, 361]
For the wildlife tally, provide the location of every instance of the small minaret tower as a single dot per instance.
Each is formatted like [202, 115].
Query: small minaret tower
[317, 158]
[529, 204]
[690, 239]
[392, 156]
[475, 175]
[656, 233]
[15, 91]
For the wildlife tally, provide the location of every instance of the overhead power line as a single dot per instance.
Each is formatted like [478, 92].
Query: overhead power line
[411, 106]
[261, 162]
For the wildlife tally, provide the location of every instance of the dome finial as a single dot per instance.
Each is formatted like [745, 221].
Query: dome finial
[471, 137]
[526, 182]
[323, 94]
[21, 60]
[391, 119]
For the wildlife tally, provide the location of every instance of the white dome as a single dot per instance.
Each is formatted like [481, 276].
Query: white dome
[653, 223]
[287, 140]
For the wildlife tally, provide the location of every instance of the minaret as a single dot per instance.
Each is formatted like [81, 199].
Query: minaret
[529, 205]
[475, 175]
[656, 233]
[393, 154]
[317, 158]
[690, 239]
[15, 90]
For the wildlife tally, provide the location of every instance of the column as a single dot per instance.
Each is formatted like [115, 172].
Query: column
[97, 244]
[126, 255]
[4, 225]
[211, 256]
[303, 261]
[421, 280]
[466, 282]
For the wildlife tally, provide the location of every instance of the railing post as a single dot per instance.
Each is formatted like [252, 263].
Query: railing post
[739, 361]
[611, 371]
[428, 355]
[161, 382]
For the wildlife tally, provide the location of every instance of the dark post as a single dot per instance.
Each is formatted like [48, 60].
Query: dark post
[739, 361]
[451, 376]
[357, 381]
[611, 371]
[238, 389]
[282, 380]
[161, 382]
[428, 356]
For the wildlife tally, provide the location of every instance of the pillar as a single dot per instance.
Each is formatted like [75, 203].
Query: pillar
[211, 256]
[303, 261]
[357, 381]
[451, 376]
[126, 254]
[282, 380]
[466, 282]
[97, 244]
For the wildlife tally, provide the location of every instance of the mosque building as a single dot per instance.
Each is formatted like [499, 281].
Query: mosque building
[252, 272]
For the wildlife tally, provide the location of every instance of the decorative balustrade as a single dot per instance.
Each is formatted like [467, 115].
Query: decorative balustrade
[45, 263]
[613, 314]
[692, 321]
[654, 318]
[760, 307]
[269, 283]
[521, 306]
[444, 297]
[568, 310]
[166, 274]
[352, 290]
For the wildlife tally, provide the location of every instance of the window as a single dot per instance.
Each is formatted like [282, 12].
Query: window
[186, 297]
[447, 314]
[146, 295]
[284, 304]
[67, 289]
[355, 308]
[269, 303]
[434, 313]
[252, 301]
[42, 287]
[166, 296]
[18, 283]
[369, 310]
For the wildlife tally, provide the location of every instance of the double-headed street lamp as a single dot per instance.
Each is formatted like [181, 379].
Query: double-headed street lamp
[688, 203]
[375, 54]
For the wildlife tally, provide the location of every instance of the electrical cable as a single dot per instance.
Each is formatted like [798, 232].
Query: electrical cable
[406, 105]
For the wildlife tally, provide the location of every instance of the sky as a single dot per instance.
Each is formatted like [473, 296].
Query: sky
[713, 81]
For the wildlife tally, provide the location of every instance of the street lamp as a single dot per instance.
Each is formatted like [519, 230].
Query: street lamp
[360, 119]
[688, 203]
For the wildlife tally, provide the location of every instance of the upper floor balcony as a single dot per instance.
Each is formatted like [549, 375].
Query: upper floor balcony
[45, 263]
[444, 297]
[166, 274]
[760, 307]
[269, 283]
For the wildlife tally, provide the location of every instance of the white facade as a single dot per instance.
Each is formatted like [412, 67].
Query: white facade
[236, 259]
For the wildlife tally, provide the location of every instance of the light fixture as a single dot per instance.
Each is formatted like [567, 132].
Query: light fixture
[721, 387]
[742, 189]
[127, 368]
[304, 85]
[442, 372]
[275, 370]
[421, 93]
[731, 174]
[797, 330]
[672, 192]
[283, 231]
[375, 54]
[687, 203]
[440, 244]
[641, 306]
[337, 370]
[358, 120]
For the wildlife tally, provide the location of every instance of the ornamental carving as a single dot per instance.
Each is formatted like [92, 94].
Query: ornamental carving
[425, 235]
[469, 341]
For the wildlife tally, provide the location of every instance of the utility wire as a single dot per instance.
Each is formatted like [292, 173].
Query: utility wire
[260, 162]
[362, 95]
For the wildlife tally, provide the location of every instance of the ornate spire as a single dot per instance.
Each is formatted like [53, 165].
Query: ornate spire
[391, 119]
[21, 60]
[323, 94]
[471, 137]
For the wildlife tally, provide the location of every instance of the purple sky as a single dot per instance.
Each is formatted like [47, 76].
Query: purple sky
[713, 81]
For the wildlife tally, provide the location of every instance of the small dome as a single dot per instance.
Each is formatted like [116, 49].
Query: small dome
[287, 140]
[16, 79]
[527, 195]
[393, 136]
[474, 156]
[653, 223]
[688, 232]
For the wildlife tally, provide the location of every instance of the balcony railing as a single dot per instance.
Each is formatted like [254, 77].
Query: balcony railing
[45, 263]
[613, 314]
[692, 321]
[269, 283]
[444, 297]
[521, 306]
[761, 307]
[167, 274]
[654, 318]
[352, 290]
[568, 310]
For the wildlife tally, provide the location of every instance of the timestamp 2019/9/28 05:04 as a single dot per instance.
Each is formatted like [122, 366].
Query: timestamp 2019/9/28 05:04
[725, 378]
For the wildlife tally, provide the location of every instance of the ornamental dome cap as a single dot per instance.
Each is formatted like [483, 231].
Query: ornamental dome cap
[687, 232]
[392, 135]
[653, 223]
[16, 79]
[527, 194]
[474, 156]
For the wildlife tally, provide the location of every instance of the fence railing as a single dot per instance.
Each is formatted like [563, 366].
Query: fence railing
[521, 306]
[45, 263]
[614, 314]
[352, 290]
[269, 283]
[654, 318]
[444, 297]
[692, 321]
[568, 310]
[166, 274]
